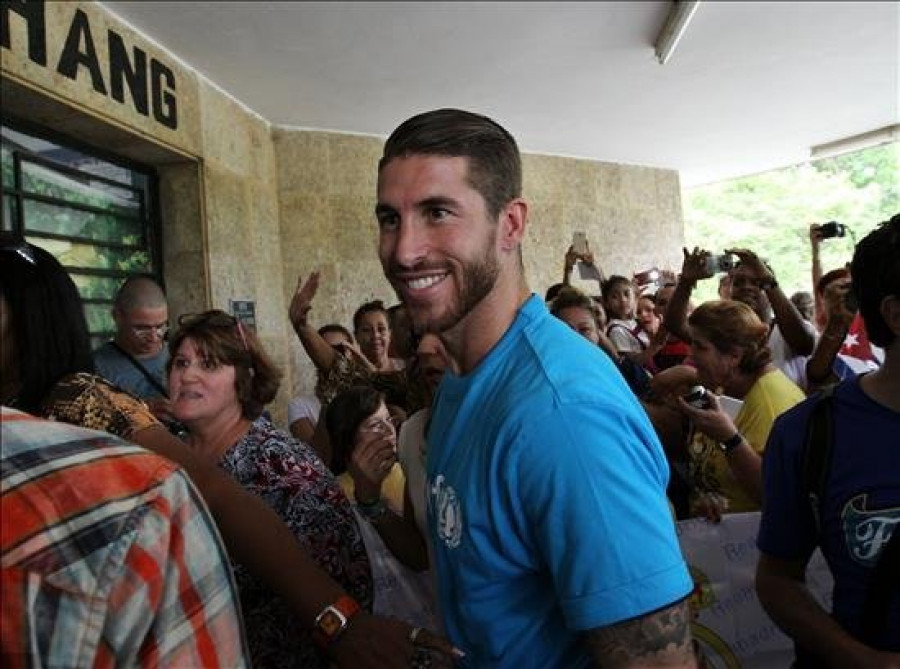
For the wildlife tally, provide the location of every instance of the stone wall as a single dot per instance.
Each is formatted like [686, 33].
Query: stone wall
[248, 207]
[326, 192]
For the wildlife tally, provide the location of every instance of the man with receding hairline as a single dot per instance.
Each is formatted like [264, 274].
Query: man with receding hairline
[135, 360]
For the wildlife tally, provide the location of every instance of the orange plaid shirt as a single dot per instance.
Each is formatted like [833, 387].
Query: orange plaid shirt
[108, 556]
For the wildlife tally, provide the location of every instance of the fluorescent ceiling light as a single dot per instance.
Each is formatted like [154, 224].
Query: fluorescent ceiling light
[676, 23]
[866, 140]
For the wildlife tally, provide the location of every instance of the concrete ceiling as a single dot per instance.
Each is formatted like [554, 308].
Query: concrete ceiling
[750, 88]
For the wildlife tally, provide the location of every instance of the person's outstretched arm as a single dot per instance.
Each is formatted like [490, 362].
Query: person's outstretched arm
[257, 538]
[820, 366]
[692, 270]
[788, 319]
[319, 351]
[815, 241]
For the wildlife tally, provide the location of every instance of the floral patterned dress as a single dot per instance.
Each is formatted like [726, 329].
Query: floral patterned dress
[294, 482]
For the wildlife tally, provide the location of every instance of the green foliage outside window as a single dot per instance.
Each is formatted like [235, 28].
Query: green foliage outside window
[118, 218]
[771, 213]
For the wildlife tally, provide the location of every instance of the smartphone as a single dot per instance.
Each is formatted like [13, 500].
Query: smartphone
[579, 243]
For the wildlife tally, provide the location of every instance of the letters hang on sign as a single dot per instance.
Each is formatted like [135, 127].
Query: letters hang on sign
[151, 85]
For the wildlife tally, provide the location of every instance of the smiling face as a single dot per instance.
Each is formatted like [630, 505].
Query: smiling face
[745, 287]
[582, 321]
[374, 336]
[200, 390]
[437, 243]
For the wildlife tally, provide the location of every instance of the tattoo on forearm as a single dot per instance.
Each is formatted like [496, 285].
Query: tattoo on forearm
[662, 638]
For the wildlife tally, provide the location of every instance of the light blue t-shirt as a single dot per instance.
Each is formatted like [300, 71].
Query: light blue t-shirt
[117, 369]
[546, 495]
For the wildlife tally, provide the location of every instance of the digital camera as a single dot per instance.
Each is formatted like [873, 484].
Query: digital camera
[719, 264]
[698, 398]
[832, 229]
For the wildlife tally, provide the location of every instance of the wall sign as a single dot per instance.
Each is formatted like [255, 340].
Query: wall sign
[244, 311]
[150, 83]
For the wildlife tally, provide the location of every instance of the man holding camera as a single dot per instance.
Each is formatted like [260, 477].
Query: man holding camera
[791, 339]
[849, 504]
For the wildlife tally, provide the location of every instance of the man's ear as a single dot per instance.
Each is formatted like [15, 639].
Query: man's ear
[890, 312]
[511, 226]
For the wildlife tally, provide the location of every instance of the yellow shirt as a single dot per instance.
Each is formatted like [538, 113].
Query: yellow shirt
[771, 395]
[391, 488]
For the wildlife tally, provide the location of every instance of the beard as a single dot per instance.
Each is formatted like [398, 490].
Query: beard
[478, 279]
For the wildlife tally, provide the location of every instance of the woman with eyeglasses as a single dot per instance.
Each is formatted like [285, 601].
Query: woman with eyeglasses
[364, 438]
[46, 370]
[219, 381]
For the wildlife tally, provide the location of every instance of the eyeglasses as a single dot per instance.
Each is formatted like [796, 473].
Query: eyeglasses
[147, 331]
[215, 318]
[382, 426]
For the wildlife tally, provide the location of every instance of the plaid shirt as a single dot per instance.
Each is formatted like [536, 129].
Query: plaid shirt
[108, 556]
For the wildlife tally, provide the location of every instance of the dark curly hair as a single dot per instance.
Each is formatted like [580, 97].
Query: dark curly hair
[221, 339]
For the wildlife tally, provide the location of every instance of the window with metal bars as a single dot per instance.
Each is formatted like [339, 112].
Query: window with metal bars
[95, 213]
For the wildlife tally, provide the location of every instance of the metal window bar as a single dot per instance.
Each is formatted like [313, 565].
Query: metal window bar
[149, 237]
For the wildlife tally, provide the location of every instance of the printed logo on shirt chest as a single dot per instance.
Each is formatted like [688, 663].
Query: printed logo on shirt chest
[447, 512]
[866, 533]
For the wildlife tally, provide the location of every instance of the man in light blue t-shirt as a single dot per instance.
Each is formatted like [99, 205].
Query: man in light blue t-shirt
[135, 360]
[554, 543]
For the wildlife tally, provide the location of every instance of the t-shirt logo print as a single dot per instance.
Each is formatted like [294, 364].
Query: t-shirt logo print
[867, 532]
[448, 512]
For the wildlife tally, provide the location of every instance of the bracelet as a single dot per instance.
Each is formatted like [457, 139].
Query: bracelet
[371, 510]
[731, 443]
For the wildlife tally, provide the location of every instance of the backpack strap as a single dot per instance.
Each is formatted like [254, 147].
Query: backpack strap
[143, 370]
[633, 333]
[817, 453]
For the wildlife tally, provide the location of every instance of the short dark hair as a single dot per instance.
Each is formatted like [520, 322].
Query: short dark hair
[552, 292]
[139, 291]
[829, 277]
[614, 281]
[49, 330]
[875, 275]
[495, 165]
[368, 308]
[344, 415]
[217, 336]
[569, 297]
[336, 327]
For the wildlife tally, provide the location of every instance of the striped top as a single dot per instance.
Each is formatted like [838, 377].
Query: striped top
[108, 556]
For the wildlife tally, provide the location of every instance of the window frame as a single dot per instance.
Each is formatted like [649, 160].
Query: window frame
[148, 218]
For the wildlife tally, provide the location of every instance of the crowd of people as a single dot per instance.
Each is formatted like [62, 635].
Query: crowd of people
[481, 477]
